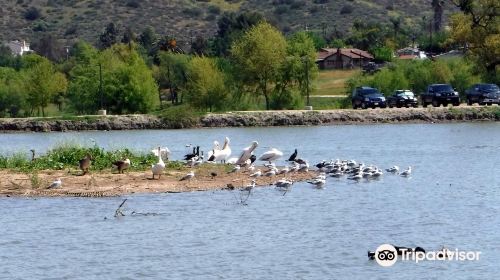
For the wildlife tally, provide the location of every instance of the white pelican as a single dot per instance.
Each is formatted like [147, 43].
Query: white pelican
[394, 169]
[188, 176]
[271, 155]
[407, 172]
[164, 152]
[223, 154]
[247, 153]
[56, 184]
[157, 168]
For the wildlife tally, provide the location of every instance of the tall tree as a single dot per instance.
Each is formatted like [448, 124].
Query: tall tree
[232, 26]
[438, 7]
[110, 36]
[260, 54]
[478, 29]
[48, 46]
[205, 87]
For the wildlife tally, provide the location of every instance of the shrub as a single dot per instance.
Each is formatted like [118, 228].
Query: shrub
[180, 117]
[346, 9]
[32, 13]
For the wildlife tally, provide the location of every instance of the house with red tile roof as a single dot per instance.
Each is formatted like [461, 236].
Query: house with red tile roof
[342, 58]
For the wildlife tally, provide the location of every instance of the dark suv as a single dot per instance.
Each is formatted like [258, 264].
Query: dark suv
[365, 97]
[402, 98]
[483, 94]
[438, 94]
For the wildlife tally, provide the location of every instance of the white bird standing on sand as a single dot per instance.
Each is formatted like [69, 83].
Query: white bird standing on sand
[407, 172]
[394, 169]
[271, 155]
[247, 152]
[188, 176]
[157, 168]
[271, 172]
[56, 184]
[223, 154]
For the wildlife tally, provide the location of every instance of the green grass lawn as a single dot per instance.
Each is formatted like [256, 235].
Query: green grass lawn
[332, 82]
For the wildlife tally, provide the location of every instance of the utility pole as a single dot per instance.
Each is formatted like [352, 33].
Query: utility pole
[101, 111]
[306, 64]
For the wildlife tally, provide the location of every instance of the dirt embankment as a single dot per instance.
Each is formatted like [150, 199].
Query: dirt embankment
[106, 183]
[261, 118]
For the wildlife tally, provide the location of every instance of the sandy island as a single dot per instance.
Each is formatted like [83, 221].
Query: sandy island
[105, 183]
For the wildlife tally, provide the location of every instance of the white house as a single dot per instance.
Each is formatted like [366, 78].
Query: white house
[18, 47]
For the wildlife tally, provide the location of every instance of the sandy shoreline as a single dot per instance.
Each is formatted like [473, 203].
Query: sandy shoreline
[105, 183]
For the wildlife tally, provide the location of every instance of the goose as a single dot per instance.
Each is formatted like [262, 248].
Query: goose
[188, 176]
[271, 155]
[121, 165]
[293, 156]
[247, 153]
[407, 172]
[85, 164]
[165, 152]
[258, 173]
[157, 168]
[56, 184]
[394, 169]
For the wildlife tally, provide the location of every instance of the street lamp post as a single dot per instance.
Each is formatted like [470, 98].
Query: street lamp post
[306, 70]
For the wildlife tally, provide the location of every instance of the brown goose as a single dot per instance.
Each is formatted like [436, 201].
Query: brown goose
[121, 165]
[85, 164]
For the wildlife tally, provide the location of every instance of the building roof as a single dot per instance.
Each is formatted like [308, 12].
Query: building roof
[349, 52]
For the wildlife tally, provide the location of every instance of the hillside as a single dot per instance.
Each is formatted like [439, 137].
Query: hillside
[71, 19]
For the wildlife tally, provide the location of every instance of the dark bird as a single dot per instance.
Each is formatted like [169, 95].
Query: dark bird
[196, 152]
[33, 158]
[85, 164]
[121, 165]
[253, 158]
[321, 165]
[293, 156]
[213, 174]
[212, 157]
[300, 161]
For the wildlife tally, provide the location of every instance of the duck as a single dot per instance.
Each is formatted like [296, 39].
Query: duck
[406, 172]
[271, 155]
[56, 184]
[157, 168]
[85, 163]
[121, 165]
[247, 153]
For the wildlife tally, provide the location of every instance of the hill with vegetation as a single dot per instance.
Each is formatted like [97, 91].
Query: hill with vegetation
[69, 20]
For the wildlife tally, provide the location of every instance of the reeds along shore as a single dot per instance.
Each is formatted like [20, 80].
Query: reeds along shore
[258, 118]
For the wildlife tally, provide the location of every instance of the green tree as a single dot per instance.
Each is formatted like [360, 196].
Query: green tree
[205, 87]
[478, 30]
[260, 54]
[110, 36]
[173, 74]
[12, 95]
[42, 83]
[232, 26]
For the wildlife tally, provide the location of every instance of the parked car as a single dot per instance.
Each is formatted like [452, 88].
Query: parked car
[483, 94]
[365, 97]
[402, 98]
[438, 94]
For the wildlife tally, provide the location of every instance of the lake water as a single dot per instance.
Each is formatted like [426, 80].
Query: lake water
[452, 199]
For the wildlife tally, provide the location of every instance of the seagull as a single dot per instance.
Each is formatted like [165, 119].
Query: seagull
[284, 170]
[188, 176]
[283, 183]
[319, 183]
[235, 169]
[293, 156]
[394, 169]
[56, 184]
[122, 165]
[247, 153]
[85, 163]
[356, 177]
[258, 173]
[304, 167]
[157, 168]
[249, 187]
[407, 172]
[271, 155]
[270, 173]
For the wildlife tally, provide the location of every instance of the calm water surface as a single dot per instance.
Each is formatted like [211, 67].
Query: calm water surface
[452, 199]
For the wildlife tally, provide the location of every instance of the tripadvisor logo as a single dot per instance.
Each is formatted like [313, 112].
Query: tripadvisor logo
[387, 255]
